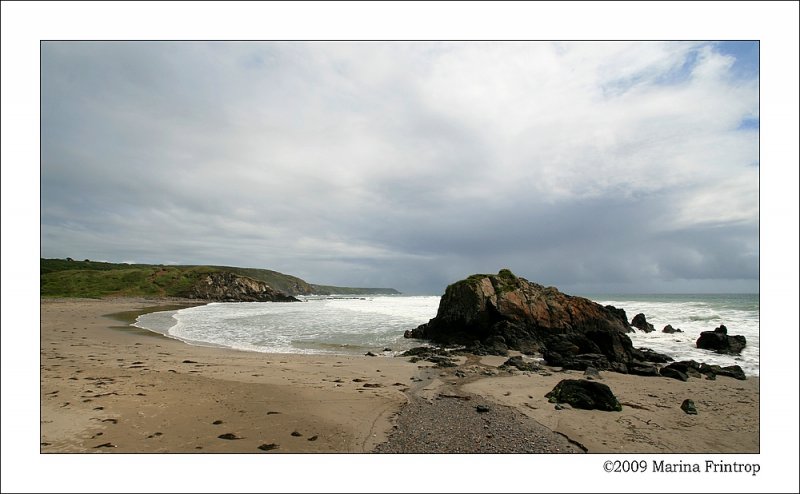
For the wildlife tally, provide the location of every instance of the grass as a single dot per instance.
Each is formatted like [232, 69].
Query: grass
[131, 282]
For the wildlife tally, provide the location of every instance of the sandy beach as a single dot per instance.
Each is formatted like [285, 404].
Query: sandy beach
[108, 387]
[112, 388]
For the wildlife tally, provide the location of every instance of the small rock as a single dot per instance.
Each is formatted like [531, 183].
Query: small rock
[673, 373]
[228, 435]
[482, 409]
[591, 373]
[189, 362]
[688, 407]
[370, 354]
[313, 438]
[296, 434]
[267, 447]
[216, 422]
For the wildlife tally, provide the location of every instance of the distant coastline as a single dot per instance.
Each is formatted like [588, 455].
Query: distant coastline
[69, 278]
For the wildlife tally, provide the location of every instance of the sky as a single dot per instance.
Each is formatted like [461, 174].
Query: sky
[595, 167]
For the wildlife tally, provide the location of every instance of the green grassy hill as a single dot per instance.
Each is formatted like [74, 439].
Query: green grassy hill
[92, 279]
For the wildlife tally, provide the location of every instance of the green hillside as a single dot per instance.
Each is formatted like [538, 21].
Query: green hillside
[343, 290]
[92, 279]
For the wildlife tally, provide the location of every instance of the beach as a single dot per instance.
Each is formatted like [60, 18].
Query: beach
[107, 387]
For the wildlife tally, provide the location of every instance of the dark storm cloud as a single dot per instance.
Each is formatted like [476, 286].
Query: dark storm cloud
[581, 165]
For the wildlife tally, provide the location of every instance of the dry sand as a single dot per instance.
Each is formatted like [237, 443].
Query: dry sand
[651, 420]
[107, 387]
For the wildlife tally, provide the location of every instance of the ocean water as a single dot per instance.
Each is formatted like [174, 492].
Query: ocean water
[356, 325]
[694, 314]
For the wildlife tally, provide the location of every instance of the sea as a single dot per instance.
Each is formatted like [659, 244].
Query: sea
[348, 325]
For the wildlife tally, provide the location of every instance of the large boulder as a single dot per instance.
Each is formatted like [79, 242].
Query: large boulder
[505, 311]
[585, 394]
[720, 342]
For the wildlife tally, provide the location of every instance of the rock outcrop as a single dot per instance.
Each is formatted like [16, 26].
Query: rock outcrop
[691, 368]
[640, 322]
[669, 329]
[230, 287]
[502, 311]
[719, 341]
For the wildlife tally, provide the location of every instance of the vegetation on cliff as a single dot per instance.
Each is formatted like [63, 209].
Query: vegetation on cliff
[93, 279]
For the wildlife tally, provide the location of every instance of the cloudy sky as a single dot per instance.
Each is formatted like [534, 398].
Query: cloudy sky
[592, 166]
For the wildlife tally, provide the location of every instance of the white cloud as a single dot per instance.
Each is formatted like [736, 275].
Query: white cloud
[388, 153]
